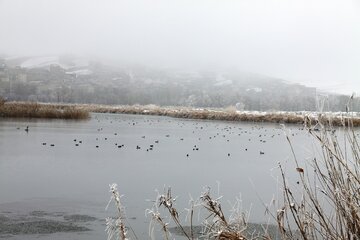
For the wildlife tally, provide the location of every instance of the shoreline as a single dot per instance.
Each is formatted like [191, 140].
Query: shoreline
[41, 110]
[81, 111]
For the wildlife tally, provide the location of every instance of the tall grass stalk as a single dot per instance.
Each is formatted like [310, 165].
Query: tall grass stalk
[116, 228]
[326, 202]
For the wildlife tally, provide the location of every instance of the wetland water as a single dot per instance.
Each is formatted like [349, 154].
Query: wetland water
[59, 171]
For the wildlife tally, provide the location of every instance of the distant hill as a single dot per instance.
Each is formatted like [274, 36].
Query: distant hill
[74, 80]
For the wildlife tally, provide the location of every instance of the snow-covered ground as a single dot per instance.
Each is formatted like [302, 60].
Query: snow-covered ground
[80, 72]
[39, 62]
[46, 61]
[254, 89]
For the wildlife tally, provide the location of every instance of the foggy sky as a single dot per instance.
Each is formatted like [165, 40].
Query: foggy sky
[316, 42]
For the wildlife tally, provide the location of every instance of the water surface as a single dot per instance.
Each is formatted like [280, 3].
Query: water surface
[66, 166]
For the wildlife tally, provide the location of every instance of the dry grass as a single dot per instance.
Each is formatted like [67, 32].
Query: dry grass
[2, 101]
[81, 111]
[326, 204]
[215, 225]
[115, 228]
[37, 110]
[228, 114]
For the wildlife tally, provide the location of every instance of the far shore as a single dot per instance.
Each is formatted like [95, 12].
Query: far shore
[81, 111]
[42, 110]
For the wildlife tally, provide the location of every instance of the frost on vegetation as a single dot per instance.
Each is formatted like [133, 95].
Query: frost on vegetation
[217, 226]
[166, 201]
[214, 226]
[115, 228]
[163, 211]
[157, 219]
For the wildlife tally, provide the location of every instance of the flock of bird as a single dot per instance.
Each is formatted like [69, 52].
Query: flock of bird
[109, 130]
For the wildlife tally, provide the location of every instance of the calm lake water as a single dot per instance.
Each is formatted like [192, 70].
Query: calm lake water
[63, 167]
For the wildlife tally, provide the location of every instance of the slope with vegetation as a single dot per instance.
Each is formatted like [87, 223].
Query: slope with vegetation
[97, 83]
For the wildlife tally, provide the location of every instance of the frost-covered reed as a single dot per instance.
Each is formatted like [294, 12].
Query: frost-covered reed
[81, 111]
[325, 203]
[115, 227]
[230, 114]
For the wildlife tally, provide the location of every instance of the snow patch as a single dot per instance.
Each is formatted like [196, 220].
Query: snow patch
[223, 83]
[256, 89]
[40, 62]
[80, 72]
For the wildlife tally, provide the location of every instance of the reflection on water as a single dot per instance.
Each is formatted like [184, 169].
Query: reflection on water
[70, 164]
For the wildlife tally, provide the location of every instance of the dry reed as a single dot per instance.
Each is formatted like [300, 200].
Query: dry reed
[115, 228]
[228, 114]
[37, 110]
[215, 224]
[2, 101]
[81, 111]
[326, 204]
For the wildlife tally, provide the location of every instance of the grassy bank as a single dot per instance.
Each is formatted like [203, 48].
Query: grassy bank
[37, 110]
[332, 119]
[81, 111]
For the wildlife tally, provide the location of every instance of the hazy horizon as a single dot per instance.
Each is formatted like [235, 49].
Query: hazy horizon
[316, 43]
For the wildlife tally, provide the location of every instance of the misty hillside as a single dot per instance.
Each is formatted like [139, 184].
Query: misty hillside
[72, 80]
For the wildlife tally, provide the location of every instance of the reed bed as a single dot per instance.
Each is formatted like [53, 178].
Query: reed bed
[2, 101]
[328, 119]
[37, 110]
[326, 202]
[81, 111]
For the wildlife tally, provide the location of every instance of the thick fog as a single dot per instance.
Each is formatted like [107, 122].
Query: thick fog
[316, 42]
